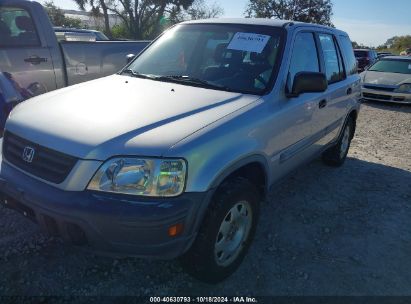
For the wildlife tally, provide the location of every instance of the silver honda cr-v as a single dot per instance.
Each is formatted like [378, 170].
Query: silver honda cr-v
[172, 156]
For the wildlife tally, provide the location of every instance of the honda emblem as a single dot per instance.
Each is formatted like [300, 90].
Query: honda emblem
[28, 154]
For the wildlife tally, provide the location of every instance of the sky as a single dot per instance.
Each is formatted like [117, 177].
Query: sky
[370, 22]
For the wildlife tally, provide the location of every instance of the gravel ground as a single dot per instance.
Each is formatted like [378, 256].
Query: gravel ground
[325, 231]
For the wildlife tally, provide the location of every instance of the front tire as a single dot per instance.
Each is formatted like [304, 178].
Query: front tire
[226, 232]
[336, 155]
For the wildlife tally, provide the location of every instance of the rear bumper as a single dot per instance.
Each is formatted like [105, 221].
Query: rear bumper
[377, 95]
[120, 225]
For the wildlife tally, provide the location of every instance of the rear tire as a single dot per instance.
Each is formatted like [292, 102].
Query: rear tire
[336, 155]
[226, 232]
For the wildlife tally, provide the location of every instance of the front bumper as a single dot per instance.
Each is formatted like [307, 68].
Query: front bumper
[378, 95]
[120, 225]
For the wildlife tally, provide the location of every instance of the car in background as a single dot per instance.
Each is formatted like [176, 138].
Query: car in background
[35, 59]
[389, 80]
[10, 95]
[365, 57]
[384, 54]
[60, 31]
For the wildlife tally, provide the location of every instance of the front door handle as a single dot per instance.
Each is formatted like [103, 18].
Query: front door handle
[322, 103]
[35, 60]
[349, 91]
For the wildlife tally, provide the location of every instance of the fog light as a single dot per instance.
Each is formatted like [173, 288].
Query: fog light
[175, 230]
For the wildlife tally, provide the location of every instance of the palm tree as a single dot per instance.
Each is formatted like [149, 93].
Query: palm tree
[95, 8]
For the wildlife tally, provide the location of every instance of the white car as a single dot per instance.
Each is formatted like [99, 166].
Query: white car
[388, 80]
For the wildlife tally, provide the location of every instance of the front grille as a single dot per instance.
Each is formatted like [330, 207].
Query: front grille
[46, 164]
[378, 88]
[376, 96]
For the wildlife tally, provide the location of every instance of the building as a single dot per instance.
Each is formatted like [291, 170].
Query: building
[91, 22]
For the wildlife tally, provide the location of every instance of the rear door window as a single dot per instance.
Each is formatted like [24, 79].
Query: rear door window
[332, 59]
[17, 28]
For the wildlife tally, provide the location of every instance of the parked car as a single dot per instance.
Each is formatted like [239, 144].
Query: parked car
[389, 80]
[10, 95]
[172, 156]
[32, 53]
[384, 54]
[99, 36]
[365, 57]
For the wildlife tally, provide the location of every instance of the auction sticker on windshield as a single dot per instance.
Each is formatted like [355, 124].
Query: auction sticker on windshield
[248, 42]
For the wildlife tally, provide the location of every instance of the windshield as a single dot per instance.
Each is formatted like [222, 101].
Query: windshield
[360, 54]
[231, 57]
[392, 66]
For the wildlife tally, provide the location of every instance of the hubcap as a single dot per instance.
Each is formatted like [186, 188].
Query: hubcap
[345, 142]
[233, 233]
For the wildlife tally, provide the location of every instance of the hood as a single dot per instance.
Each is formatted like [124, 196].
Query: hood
[381, 78]
[120, 115]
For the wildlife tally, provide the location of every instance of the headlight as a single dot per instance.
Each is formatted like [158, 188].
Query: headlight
[404, 88]
[140, 176]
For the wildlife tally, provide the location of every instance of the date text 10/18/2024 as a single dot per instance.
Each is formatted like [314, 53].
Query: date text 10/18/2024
[203, 300]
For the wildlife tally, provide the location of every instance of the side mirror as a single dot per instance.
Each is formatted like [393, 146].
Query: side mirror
[308, 82]
[130, 57]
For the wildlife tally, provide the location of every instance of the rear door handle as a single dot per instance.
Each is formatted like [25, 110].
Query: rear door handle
[349, 91]
[322, 103]
[35, 60]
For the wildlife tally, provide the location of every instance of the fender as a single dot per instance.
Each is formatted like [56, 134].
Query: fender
[355, 109]
[255, 158]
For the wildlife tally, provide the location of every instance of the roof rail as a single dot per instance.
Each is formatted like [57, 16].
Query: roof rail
[288, 24]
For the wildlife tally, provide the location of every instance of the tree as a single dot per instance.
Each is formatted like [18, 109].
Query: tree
[201, 10]
[96, 5]
[312, 11]
[142, 19]
[355, 45]
[396, 44]
[145, 19]
[198, 10]
[58, 18]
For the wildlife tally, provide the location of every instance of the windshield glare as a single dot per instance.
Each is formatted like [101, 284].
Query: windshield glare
[239, 58]
[392, 66]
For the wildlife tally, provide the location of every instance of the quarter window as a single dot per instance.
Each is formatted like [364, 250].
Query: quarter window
[351, 62]
[17, 28]
[304, 57]
[333, 64]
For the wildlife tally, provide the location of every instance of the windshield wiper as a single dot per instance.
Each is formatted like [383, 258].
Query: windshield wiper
[136, 74]
[179, 79]
[193, 81]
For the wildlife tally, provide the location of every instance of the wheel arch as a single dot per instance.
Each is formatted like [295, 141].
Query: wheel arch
[253, 164]
[253, 168]
[353, 114]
